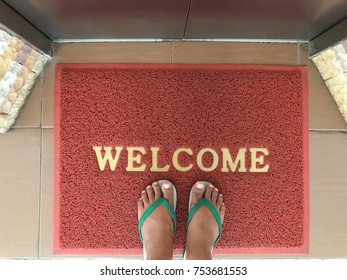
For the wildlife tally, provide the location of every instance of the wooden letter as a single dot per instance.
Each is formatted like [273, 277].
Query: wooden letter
[102, 160]
[175, 159]
[240, 158]
[154, 167]
[136, 159]
[214, 163]
[259, 160]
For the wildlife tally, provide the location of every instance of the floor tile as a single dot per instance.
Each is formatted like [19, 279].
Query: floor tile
[237, 53]
[48, 95]
[303, 54]
[146, 52]
[19, 192]
[328, 195]
[46, 230]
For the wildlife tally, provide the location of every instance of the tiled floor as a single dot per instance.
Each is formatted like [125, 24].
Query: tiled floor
[26, 162]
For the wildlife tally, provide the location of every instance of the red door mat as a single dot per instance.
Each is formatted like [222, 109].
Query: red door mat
[243, 128]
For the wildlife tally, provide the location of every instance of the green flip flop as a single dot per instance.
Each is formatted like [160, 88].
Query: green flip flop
[210, 206]
[155, 204]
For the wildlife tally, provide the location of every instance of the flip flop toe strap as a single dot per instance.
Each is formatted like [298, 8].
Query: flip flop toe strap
[213, 210]
[150, 209]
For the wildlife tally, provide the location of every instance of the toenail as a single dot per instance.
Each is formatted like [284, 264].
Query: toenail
[148, 187]
[216, 190]
[200, 186]
[167, 185]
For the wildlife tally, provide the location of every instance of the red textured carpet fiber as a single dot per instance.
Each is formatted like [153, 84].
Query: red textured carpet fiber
[242, 128]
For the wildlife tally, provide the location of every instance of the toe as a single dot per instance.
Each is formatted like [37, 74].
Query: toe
[209, 190]
[157, 190]
[222, 212]
[214, 196]
[145, 199]
[150, 193]
[197, 193]
[140, 208]
[219, 201]
[167, 190]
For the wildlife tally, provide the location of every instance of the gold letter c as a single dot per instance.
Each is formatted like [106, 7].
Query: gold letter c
[175, 159]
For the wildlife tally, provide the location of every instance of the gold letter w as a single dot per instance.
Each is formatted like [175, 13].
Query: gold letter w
[102, 160]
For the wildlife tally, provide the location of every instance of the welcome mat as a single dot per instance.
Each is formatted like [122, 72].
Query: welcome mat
[118, 128]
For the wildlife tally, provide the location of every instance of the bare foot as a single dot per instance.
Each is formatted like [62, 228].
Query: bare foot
[203, 228]
[157, 229]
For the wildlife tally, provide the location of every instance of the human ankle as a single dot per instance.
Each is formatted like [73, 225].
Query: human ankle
[198, 253]
[163, 251]
[159, 244]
